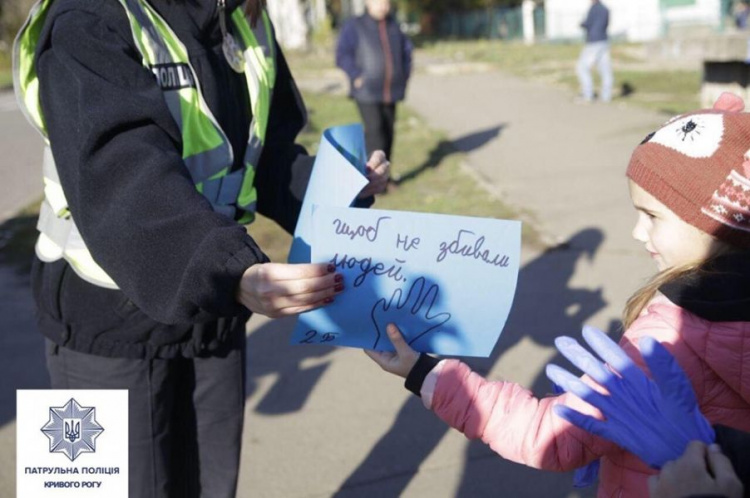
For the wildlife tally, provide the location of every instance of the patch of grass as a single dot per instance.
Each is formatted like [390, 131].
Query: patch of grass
[670, 92]
[430, 169]
[511, 56]
[319, 57]
[6, 75]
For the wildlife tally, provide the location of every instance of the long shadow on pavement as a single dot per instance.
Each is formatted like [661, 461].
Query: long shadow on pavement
[444, 148]
[295, 382]
[545, 307]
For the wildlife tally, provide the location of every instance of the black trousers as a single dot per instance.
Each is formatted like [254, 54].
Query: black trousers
[185, 417]
[379, 120]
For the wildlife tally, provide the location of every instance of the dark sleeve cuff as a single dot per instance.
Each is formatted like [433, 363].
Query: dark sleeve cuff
[706, 496]
[734, 444]
[418, 373]
[364, 203]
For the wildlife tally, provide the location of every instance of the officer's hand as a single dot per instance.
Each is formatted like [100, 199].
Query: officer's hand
[377, 169]
[275, 289]
[699, 471]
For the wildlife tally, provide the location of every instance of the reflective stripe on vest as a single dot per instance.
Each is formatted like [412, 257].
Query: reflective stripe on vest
[206, 152]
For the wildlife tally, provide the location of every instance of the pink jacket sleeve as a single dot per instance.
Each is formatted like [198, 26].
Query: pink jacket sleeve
[513, 422]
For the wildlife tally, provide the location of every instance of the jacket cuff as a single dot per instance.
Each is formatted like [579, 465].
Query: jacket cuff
[364, 203]
[418, 373]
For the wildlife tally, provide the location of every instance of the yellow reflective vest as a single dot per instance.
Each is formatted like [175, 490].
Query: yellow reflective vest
[206, 150]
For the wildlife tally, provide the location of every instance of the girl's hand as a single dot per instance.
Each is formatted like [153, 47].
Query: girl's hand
[377, 169]
[399, 363]
[276, 289]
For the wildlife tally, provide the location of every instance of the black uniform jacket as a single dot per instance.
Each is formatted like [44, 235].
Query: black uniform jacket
[118, 154]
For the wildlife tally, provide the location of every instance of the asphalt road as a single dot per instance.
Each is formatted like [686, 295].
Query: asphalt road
[326, 422]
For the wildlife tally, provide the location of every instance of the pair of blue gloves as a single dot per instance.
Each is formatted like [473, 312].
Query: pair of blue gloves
[653, 419]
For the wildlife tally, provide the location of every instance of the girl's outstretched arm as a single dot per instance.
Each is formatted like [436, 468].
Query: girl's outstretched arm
[507, 417]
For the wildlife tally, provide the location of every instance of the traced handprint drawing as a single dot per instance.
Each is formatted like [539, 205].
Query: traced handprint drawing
[420, 299]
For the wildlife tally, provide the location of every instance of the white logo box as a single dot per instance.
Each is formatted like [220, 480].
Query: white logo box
[72, 443]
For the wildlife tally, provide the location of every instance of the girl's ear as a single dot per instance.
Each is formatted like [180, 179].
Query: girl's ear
[729, 102]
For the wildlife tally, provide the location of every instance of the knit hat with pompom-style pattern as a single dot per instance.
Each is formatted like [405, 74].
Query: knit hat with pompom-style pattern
[698, 165]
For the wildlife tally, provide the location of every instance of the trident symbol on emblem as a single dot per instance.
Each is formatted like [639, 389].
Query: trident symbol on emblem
[72, 430]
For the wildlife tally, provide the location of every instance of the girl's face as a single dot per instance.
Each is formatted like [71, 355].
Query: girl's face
[670, 241]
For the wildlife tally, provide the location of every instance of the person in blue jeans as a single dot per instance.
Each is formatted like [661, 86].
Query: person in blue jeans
[595, 52]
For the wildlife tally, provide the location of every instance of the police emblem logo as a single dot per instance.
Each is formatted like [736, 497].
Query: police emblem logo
[72, 429]
[233, 53]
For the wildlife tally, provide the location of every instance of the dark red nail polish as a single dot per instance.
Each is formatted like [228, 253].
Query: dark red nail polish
[338, 278]
[339, 287]
[331, 268]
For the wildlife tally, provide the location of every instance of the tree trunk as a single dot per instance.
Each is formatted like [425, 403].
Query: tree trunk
[289, 20]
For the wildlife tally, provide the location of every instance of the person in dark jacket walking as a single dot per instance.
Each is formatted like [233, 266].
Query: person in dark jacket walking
[376, 56]
[595, 52]
[169, 124]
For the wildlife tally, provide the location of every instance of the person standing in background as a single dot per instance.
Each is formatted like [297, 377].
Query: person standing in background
[596, 51]
[376, 56]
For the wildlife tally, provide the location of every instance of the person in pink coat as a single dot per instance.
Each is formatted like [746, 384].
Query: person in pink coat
[690, 185]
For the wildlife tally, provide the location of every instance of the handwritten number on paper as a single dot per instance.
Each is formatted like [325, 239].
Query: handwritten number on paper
[315, 337]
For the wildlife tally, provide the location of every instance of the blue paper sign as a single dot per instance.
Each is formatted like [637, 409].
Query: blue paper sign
[349, 140]
[447, 281]
[337, 177]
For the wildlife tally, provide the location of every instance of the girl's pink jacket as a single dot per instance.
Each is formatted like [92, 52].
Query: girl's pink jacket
[523, 429]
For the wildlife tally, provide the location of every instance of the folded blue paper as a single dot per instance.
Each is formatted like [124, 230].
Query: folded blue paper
[337, 177]
[447, 281]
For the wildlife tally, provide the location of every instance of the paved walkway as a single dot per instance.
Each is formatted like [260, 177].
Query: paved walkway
[326, 422]
[352, 431]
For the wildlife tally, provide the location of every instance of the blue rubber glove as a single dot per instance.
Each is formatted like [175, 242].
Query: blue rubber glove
[653, 419]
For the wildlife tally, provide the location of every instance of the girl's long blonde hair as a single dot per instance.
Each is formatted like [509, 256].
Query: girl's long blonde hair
[642, 296]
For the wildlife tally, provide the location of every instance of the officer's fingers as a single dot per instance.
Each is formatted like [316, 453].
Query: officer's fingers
[376, 158]
[721, 467]
[329, 284]
[372, 188]
[380, 170]
[282, 301]
[282, 271]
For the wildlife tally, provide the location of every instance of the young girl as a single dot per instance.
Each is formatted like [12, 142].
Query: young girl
[689, 184]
